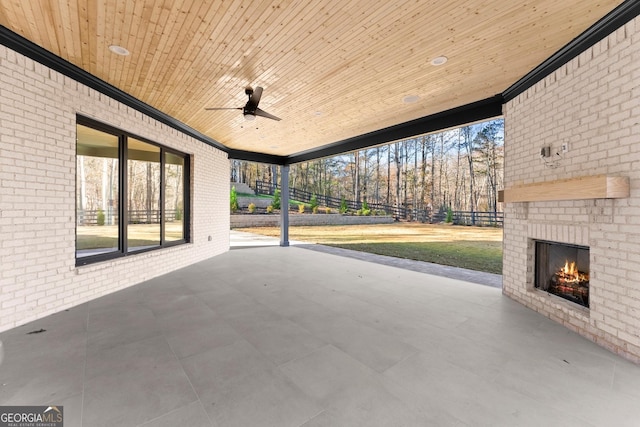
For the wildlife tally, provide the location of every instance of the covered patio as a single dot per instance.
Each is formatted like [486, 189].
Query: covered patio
[184, 331]
[287, 336]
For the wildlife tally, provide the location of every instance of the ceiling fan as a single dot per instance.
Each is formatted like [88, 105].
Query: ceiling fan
[251, 110]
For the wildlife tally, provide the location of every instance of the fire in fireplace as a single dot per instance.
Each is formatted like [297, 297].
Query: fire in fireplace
[563, 270]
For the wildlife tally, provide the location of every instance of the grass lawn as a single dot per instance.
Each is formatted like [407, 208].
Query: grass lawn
[476, 248]
[139, 235]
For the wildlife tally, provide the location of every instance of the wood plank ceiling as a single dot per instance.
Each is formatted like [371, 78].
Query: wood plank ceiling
[331, 69]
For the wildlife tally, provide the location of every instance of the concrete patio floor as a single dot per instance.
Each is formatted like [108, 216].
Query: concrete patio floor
[271, 336]
[241, 240]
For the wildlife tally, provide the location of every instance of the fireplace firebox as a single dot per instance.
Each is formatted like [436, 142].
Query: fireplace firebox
[563, 270]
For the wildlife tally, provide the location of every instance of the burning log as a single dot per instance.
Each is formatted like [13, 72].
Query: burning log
[569, 281]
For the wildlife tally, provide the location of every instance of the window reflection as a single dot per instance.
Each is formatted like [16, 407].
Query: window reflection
[97, 188]
[173, 196]
[143, 195]
[131, 195]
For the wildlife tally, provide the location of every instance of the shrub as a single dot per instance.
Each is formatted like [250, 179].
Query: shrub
[276, 199]
[270, 209]
[100, 217]
[327, 210]
[314, 210]
[252, 207]
[343, 206]
[449, 218]
[313, 202]
[234, 200]
[178, 216]
[301, 208]
[364, 211]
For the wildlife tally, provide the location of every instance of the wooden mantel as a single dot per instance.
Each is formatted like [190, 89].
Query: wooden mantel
[582, 188]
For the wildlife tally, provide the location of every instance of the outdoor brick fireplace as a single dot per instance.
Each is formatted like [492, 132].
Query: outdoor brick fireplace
[563, 270]
[555, 221]
[572, 217]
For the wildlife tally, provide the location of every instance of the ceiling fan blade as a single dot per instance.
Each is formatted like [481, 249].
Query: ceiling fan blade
[250, 110]
[263, 113]
[254, 99]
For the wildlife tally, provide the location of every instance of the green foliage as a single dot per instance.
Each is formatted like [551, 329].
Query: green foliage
[252, 207]
[327, 210]
[178, 216]
[270, 209]
[314, 201]
[364, 211]
[449, 218]
[314, 210]
[301, 208]
[100, 217]
[276, 199]
[343, 206]
[234, 200]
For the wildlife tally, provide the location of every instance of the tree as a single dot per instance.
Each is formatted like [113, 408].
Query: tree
[377, 181]
[423, 169]
[433, 170]
[458, 168]
[397, 159]
[356, 176]
[489, 147]
[388, 198]
[468, 144]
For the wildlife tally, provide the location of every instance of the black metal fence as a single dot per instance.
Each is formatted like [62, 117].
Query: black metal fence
[493, 219]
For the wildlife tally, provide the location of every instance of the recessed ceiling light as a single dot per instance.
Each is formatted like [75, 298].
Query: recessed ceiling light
[439, 60]
[118, 50]
[410, 99]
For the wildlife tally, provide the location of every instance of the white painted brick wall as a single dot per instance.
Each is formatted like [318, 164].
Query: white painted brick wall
[592, 103]
[38, 276]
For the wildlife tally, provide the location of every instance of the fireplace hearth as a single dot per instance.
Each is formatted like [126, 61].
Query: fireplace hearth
[563, 270]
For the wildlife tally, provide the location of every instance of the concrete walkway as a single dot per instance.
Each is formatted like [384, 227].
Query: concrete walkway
[241, 239]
